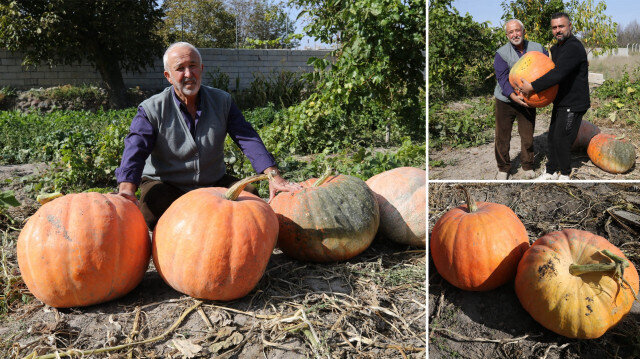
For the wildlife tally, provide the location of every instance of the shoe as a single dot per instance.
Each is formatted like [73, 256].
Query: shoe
[547, 177]
[528, 174]
[563, 178]
[502, 176]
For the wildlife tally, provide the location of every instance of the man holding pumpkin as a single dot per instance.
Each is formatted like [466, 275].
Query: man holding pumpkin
[510, 106]
[572, 101]
[176, 140]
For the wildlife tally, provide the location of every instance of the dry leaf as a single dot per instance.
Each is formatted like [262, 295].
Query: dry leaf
[186, 347]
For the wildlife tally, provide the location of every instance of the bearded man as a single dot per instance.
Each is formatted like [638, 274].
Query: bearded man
[176, 140]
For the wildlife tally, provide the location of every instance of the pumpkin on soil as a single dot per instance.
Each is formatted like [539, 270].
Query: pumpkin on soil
[586, 132]
[331, 219]
[531, 66]
[568, 282]
[83, 249]
[401, 195]
[214, 243]
[612, 154]
[477, 246]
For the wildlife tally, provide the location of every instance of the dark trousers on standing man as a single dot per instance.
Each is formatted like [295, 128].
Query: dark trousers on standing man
[157, 196]
[505, 114]
[563, 131]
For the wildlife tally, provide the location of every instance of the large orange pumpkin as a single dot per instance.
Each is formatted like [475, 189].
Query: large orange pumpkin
[214, 243]
[477, 246]
[531, 66]
[567, 282]
[586, 132]
[83, 249]
[334, 220]
[611, 153]
[401, 194]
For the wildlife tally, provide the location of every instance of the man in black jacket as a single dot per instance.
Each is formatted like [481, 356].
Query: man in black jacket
[571, 74]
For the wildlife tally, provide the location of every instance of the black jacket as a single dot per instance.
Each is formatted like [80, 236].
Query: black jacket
[571, 73]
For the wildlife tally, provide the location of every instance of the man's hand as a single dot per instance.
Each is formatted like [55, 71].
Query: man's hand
[279, 184]
[526, 88]
[128, 191]
[518, 99]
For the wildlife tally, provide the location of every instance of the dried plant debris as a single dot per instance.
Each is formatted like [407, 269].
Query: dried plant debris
[493, 324]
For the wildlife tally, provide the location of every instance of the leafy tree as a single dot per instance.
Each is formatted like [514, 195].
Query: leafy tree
[379, 62]
[590, 24]
[461, 53]
[111, 35]
[271, 27]
[203, 23]
[536, 17]
[596, 30]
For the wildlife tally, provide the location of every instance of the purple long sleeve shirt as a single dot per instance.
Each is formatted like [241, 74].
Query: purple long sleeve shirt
[502, 71]
[141, 139]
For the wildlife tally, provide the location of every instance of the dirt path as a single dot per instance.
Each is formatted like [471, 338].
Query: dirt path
[493, 324]
[478, 163]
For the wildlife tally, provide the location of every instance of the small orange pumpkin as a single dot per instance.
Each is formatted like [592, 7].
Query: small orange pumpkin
[214, 243]
[610, 153]
[531, 66]
[83, 249]
[567, 282]
[477, 246]
[401, 194]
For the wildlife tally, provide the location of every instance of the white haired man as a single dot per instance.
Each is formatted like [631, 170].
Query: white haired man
[509, 106]
[176, 140]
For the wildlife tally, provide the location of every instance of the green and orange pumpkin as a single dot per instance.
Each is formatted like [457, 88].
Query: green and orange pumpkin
[330, 219]
[531, 66]
[612, 154]
[477, 246]
[401, 195]
[576, 283]
[83, 249]
[214, 243]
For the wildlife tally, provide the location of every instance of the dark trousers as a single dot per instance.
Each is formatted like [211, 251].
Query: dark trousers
[157, 196]
[505, 114]
[563, 131]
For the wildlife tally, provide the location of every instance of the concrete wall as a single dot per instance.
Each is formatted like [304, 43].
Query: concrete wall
[237, 63]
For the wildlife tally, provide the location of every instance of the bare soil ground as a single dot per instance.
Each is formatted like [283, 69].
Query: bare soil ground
[493, 324]
[479, 163]
[373, 306]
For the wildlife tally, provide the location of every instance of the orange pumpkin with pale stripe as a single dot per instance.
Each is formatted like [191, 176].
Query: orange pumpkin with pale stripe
[83, 249]
[215, 243]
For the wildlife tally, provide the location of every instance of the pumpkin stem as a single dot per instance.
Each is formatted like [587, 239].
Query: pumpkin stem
[617, 265]
[471, 203]
[323, 179]
[234, 191]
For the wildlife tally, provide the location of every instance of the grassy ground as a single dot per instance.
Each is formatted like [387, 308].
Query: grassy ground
[615, 67]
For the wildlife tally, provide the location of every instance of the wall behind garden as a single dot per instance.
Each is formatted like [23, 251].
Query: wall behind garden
[236, 63]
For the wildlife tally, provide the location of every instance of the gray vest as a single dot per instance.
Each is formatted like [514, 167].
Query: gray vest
[178, 158]
[510, 56]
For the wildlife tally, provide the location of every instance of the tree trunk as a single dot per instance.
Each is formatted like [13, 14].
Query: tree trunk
[112, 77]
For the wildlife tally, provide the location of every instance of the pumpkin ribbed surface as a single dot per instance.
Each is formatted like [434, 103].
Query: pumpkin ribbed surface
[83, 249]
[213, 248]
[576, 306]
[401, 195]
[332, 222]
[531, 66]
[478, 250]
[611, 154]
